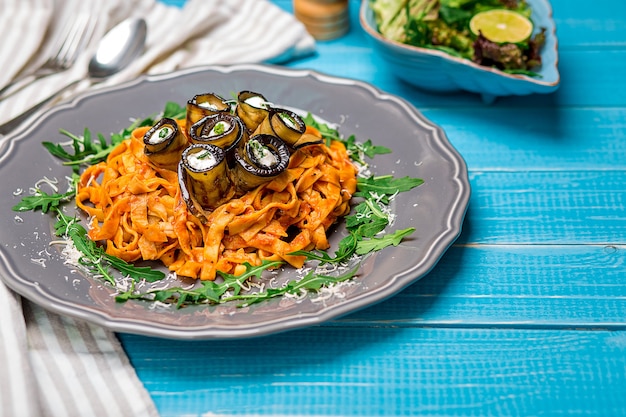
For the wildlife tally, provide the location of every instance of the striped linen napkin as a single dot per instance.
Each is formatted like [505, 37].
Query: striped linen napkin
[58, 366]
[202, 32]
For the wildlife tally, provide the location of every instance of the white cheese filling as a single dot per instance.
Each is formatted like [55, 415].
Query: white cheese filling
[208, 106]
[288, 120]
[257, 101]
[160, 135]
[219, 128]
[201, 160]
[263, 155]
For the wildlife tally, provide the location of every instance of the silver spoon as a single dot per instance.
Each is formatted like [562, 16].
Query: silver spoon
[115, 51]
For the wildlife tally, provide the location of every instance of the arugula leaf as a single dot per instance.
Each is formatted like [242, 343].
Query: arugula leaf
[136, 272]
[345, 249]
[365, 212]
[376, 244]
[68, 227]
[174, 111]
[208, 292]
[356, 150]
[90, 151]
[385, 186]
[311, 282]
[43, 201]
[327, 132]
[94, 257]
[86, 150]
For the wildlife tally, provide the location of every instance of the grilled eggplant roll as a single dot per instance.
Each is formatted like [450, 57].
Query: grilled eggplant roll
[284, 124]
[261, 159]
[252, 109]
[221, 129]
[203, 178]
[203, 105]
[164, 143]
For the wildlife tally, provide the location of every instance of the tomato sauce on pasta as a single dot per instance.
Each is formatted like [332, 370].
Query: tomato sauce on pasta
[138, 212]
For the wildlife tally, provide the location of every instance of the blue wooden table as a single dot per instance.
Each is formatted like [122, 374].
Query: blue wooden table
[525, 315]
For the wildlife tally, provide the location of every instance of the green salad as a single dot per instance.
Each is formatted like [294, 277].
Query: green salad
[493, 33]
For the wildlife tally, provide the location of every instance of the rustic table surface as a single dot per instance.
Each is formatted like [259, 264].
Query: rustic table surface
[525, 315]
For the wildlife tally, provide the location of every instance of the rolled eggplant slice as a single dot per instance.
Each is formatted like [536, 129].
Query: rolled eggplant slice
[261, 159]
[164, 143]
[221, 129]
[203, 178]
[252, 108]
[307, 139]
[203, 105]
[284, 124]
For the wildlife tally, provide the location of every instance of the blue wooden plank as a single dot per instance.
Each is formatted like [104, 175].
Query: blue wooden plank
[389, 372]
[546, 207]
[536, 139]
[601, 26]
[512, 286]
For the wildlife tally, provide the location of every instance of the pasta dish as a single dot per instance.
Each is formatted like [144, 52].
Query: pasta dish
[229, 184]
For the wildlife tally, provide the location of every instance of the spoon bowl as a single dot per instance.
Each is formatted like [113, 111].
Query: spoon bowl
[118, 48]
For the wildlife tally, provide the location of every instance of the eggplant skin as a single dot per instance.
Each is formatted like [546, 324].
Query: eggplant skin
[200, 132]
[166, 151]
[249, 172]
[250, 115]
[290, 132]
[202, 105]
[252, 147]
[307, 139]
[207, 187]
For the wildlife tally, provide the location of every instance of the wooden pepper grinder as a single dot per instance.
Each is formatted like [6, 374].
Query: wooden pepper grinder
[323, 19]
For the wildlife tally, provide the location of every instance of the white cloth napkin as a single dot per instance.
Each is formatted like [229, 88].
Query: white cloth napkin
[58, 366]
[203, 32]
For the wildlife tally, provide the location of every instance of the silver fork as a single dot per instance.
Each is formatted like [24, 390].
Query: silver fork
[75, 36]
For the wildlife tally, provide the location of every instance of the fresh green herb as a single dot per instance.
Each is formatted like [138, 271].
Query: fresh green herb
[174, 111]
[287, 119]
[87, 150]
[311, 282]
[384, 187]
[94, 258]
[43, 201]
[164, 132]
[375, 244]
[204, 155]
[230, 289]
[207, 292]
[327, 132]
[357, 150]
[220, 128]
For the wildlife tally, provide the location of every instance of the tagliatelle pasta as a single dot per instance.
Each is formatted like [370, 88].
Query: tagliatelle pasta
[138, 212]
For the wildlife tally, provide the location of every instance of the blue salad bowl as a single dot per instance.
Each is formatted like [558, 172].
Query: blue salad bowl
[434, 70]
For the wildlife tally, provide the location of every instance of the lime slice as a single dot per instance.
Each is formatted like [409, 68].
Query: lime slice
[501, 25]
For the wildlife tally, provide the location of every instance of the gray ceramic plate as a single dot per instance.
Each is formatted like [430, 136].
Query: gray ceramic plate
[34, 269]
